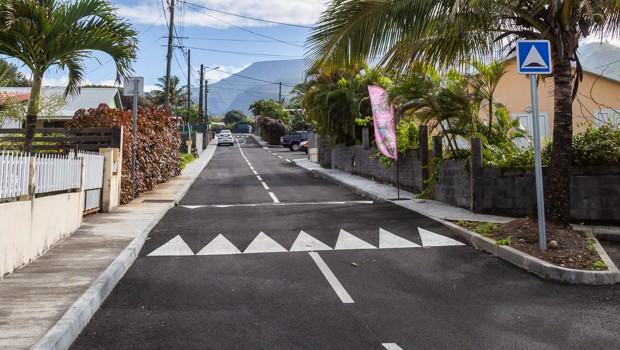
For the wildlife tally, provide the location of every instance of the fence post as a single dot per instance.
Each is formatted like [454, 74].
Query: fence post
[423, 130]
[475, 169]
[366, 137]
[107, 202]
[437, 147]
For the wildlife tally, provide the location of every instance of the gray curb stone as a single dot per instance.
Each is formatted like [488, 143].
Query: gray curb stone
[539, 267]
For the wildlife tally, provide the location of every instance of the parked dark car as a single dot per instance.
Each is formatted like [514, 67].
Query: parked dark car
[294, 139]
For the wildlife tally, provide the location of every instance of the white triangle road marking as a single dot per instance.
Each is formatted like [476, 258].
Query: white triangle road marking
[389, 240]
[174, 247]
[434, 240]
[219, 246]
[264, 244]
[348, 241]
[305, 243]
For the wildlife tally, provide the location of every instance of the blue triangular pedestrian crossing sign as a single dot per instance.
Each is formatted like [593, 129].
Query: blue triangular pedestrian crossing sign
[534, 57]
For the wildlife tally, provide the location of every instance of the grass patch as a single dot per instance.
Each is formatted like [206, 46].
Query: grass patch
[187, 158]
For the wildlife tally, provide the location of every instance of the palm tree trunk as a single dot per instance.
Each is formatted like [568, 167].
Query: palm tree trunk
[557, 186]
[33, 111]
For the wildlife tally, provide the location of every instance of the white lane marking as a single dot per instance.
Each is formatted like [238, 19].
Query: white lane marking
[174, 247]
[265, 185]
[259, 178]
[264, 244]
[251, 167]
[250, 164]
[280, 157]
[266, 147]
[391, 346]
[389, 240]
[219, 246]
[288, 160]
[305, 243]
[273, 196]
[331, 279]
[254, 171]
[434, 240]
[348, 241]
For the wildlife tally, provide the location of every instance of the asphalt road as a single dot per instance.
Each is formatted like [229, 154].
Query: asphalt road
[260, 254]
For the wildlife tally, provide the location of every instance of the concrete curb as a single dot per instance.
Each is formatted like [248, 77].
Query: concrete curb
[66, 330]
[539, 267]
[527, 262]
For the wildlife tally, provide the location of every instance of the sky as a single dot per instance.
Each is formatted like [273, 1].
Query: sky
[222, 42]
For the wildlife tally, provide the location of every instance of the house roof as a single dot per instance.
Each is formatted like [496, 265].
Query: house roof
[87, 98]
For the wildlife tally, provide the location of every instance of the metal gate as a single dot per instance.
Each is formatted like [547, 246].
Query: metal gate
[93, 180]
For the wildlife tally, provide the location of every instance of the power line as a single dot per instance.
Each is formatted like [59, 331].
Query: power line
[247, 30]
[244, 53]
[261, 80]
[240, 40]
[248, 17]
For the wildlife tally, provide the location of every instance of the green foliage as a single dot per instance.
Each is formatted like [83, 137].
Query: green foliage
[407, 135]
[435, 164]
[269, 108]
[10, 76]
[590, 244]
[506, 241]
[158, 141]
[271, 129]
[599, 265]
[597, 147]
[365, 121]
[186, 159]
[234, 116]
[485, 228]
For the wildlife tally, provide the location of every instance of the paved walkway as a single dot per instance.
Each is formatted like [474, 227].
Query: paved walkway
[45, 304]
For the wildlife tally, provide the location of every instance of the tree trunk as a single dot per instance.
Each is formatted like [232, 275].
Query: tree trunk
[557, 184]
[33, 111]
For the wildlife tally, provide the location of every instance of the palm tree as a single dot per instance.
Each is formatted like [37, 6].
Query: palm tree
[46, 33]
[404, 33]
[177, 95]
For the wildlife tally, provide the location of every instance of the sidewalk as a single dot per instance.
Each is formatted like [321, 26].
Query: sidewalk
[46, 304]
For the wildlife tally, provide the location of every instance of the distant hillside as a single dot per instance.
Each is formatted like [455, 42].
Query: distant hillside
[601, 57]
[253, 83]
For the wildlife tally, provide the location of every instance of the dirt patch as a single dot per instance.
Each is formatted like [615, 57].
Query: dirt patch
[573, 249]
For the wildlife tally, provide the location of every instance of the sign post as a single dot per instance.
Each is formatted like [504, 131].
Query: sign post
[533, 58]
[134, 86]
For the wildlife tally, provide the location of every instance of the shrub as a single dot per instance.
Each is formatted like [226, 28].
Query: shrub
[597, 147]
[157, 150]
[271, 129]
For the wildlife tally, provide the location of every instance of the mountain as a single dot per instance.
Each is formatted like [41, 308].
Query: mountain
[603, 57]
[258, 81]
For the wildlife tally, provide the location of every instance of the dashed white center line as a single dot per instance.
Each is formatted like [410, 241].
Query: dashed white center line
[331, 278]
[254, 171]
[288, 160]
[265, 185]
[280, 157]
[259, 178]
[251, 167]
[273, 196]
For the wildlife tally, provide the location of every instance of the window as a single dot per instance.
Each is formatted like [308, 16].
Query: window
[606, 116]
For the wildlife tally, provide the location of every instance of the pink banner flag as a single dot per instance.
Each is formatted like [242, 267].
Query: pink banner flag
[383, 115]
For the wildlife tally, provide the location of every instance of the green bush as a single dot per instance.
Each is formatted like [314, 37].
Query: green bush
[597, 147]
[157, 151]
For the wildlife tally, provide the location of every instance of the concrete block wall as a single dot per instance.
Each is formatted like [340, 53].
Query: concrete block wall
[595, 194]
[453, 183]
[360, 161]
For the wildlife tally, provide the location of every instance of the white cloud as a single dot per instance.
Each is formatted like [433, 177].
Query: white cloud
[222, 72]
[299, 12]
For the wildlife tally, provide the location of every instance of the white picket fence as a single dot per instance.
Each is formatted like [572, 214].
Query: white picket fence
[13, 174]
[53, 173]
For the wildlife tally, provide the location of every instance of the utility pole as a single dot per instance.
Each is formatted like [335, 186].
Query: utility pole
[280, 94]
[200, 96]
[189, 100]
[206, 101]
[169, 57]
